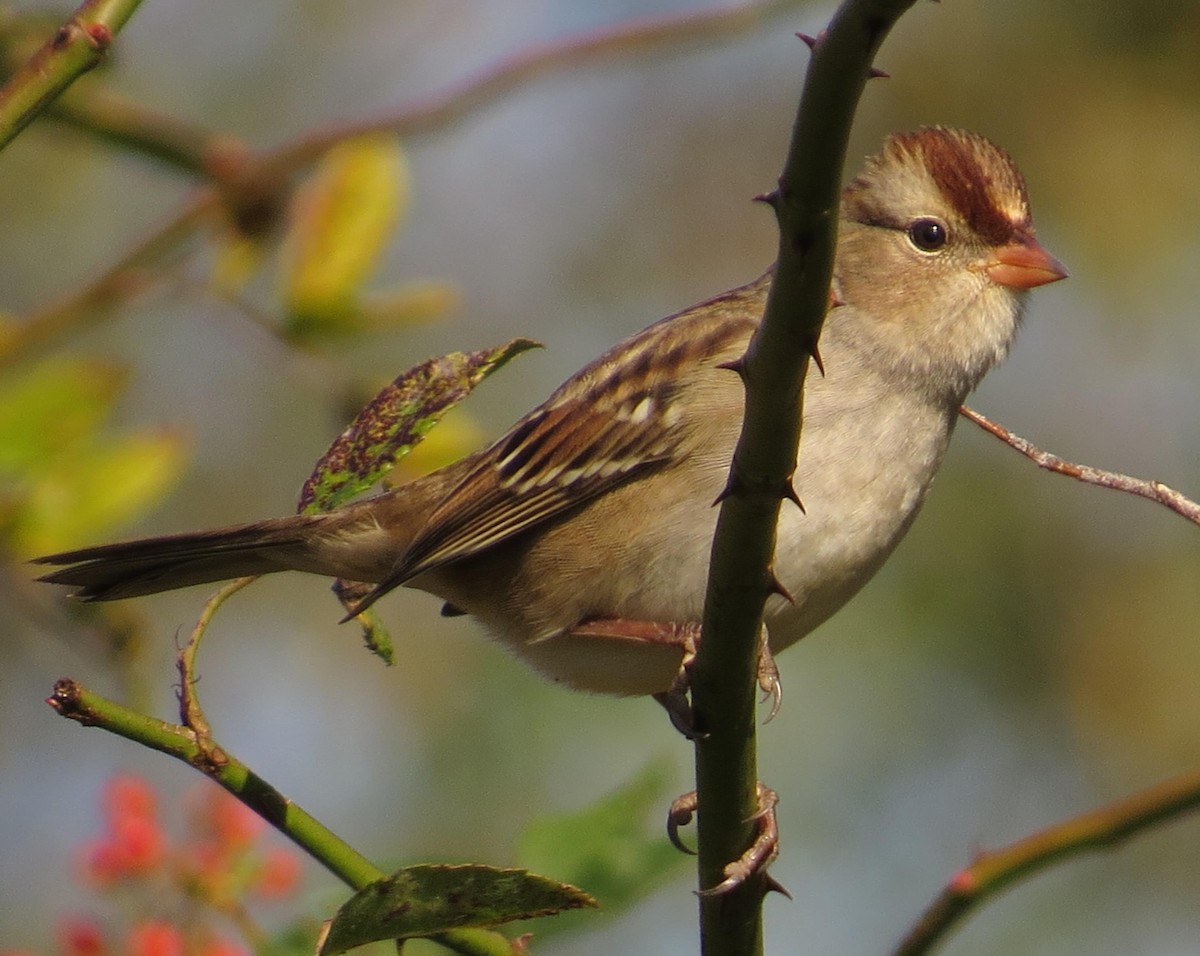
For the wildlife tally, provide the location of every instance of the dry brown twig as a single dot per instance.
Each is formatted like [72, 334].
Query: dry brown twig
[1142, 487]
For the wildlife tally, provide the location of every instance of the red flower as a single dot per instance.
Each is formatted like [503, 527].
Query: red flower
[155, 938]
[279, 874]
[80, 936]
[127, 795]
[233, 823]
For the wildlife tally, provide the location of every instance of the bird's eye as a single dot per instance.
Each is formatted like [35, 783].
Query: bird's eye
[928, 235]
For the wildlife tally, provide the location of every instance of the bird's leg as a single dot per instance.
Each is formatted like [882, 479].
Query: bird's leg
[768, 674]
[685, 637]
[758, 856]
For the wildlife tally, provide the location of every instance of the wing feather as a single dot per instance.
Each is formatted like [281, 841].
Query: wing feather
[614, 421]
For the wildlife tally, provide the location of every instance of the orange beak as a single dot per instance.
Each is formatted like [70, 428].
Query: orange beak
[1024, 264]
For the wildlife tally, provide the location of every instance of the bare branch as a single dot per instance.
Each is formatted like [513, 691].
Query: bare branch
[76, 47]
[994, 871]
[626, 39]
[240, 175]
[1142, 487]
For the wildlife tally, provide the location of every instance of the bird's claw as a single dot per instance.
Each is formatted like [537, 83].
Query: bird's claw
[680, 814]
[676, 699]
[768, 676]
[760, 854]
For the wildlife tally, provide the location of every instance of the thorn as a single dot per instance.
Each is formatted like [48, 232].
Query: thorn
[775, 586]
[810, 41]
[835, 297]
[770, 198]
[736, 365]
[789, 492]
[770, 884]
[734, 485]
[875, 73]
[815, 352]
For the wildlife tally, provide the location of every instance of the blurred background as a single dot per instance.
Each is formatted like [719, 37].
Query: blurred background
[1030, 652]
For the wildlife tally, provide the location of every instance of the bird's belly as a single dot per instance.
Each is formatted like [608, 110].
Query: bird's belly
[824, 556]
[604, 665]
[856, 513]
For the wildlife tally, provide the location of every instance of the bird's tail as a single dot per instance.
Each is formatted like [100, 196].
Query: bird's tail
[133, 568]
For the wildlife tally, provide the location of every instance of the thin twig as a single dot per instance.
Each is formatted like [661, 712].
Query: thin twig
[77, 46]
[91, 108]
[120, 282]
[191, 715]
[75, 702]
[443, 109]
[1142, 487]
[232, 167]
[993, 871]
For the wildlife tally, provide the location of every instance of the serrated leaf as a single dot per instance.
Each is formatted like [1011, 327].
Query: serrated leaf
[48, 407]
[84, 495]
[375, 636]
[342, 218]
[294, 940]
[395, 420]
[428, 899]
[616, 846]
[456, 435]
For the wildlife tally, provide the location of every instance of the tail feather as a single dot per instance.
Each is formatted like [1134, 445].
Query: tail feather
[134, 568]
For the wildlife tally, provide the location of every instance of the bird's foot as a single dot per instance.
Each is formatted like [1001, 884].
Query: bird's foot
[686, 637]
[758, 856]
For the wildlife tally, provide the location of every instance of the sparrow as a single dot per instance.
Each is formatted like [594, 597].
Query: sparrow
[581, 537]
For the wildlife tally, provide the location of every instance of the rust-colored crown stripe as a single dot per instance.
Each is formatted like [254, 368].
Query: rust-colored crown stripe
[976, 177]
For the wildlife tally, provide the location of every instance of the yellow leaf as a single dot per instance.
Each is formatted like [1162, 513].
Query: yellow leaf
[47, 407]
[341, 220]
[84, 496]
[422, 300]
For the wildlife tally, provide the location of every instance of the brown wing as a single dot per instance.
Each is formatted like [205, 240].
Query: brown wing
[555, 459]
[615, 420]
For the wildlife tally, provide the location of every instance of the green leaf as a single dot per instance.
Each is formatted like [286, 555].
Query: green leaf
[396, 420]
[294, 940]
[375, 635]
[52, 405]
[428, 899]
[617, 846]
